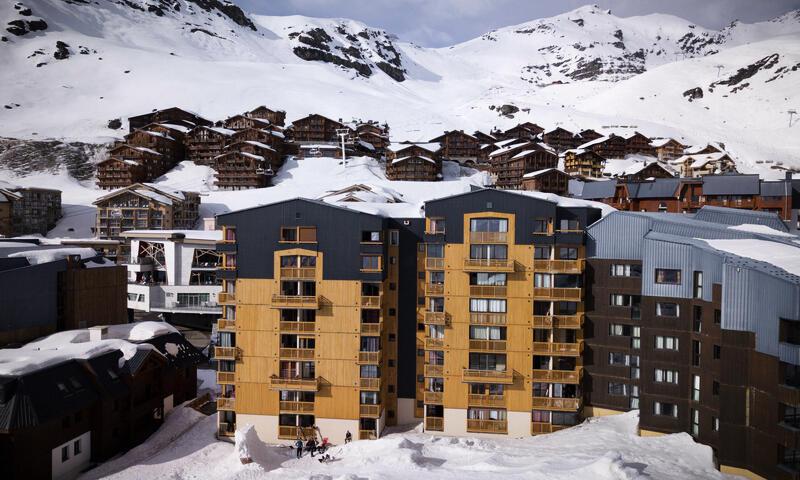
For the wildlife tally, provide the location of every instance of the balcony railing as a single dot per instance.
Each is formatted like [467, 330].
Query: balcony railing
[297, 326]
[488, 265]
[296, 301]
[301, 384]
[433, 397]
[489, 345]
[369, 357]
[226, 353]
[486, 318]
[538, 427]
[372, 411]
[226, 403]
[560, 349]
[488, 237]
[435, 424]
[370, 383]
[368, 301]
[471, 375]
[563, 404]
[487, 426]
[226, 429]
[574, 294]
[226, 297]
[436, 318]
[558, 266]
[558, 321]
[225, 377]
[434, 288]
[297, 353]
[558, 376]
[367, 434]
[296, 407]
[371, 328]
[434, 342]
[225, 325]
[487, 290]
[295, 432]
[478, 400]
[303, 273]
[434, 370]
[434, 264]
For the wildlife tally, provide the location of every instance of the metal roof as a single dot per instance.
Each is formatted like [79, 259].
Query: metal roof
[598, 190]
[731, 185]
[735, 216]
[658, 188]
[781, 188]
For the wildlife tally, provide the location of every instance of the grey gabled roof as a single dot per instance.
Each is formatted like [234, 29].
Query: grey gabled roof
[781, 188]
[598, 190]
[731, 185]
[658, 188]
[734, 216]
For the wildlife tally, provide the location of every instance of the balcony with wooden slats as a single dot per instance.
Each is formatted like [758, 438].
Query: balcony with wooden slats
[435, 398]
[369, 357]
[369, 411]
[371, 328]
[487, 426]
[371, 301]
[299, 384]
[226, 298]
[436, 318]
[568, 294]
[434, 424]
[226, 429]
[558, 349]
[226, 378]
[225, 325]
[310, 302]
[558, 376]
[488, 237]
[226, 403]
[571, 322]
[367, 434]
[434, 264]
[559, 404]
[559, 266]
[297, 327]
[470, 375]
[488, 265]
[487, 318]
[296, 353]
[292, 433]
[489, 291]
[226, 353]
[296, 407]
[488, 345]
[369, 383]
[434, 342]
[434, 289]
[539, 428]
[485, 400]
[298, 273]
[433, 370]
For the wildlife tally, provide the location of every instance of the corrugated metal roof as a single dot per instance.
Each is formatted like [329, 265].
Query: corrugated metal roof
[780, 188]
[598, 190]
[735, 216]
[731, 185]
[658, 188]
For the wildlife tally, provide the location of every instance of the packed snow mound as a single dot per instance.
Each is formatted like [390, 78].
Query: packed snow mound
[36, 257]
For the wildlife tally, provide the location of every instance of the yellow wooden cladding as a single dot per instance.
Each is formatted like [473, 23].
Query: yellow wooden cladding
[487, 426]
[226, 298]
[488, 237]
[487, 290]
[369, 357]
[226, 403]
[562, 404]
[371, 328]
[302, 384]
[558, 321]
[435, 424]
[482, 318]
[225, 325]
[477, 400]
[225, 378]
[295, 432]
[371, 411]
[434, 342]
[371, 301]
[367, 434]
[226, 353]
[538, 427]
[369, 383]
[297, 353]
[296, 407]
[298, 273]
[488, 265]
[488, 345]
[487, 376]
[436, 318]
[434, 288]
[294, 327]
[434, 397]
[559, 266]
[434, 370]
[559, 349]
[570, 294]
[558, 376]
[434, 263]
[295, 301]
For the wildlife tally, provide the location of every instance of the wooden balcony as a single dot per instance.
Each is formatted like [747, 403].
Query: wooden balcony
[371, 301]
[571, 294]
[477, 400]
[369, 411]
[488, 265]
[226, 378]
[488, 237]
[299, 327]
[558, 376]
[486, 318]
[558, 349]
[300, 384]
[436, 318]
[226, 429]
[436, 398]
[487, 290]
[367, 435]
[369, 383]
[433, 370]
[296, 407]
[558, 266]
[434, 264]
[369, 357]
[225, 325]
[434, 289]
[226, 353]
[488, 345]
[434, 342]
[434, 424]
[487, 376]
[297, 353]
[298, 273]
[226, 298]
[296, 301]
[292, 433]
[226, 403]
[487, 426]
[572, 322]
[560, 404]
[226, 267]
[371, 328]
[538, 428]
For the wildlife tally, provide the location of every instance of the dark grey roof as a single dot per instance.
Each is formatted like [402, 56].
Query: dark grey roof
[781, 188]
[735, 216]
[731, 185]
[658, 188]
[598, 190]
[187, 354]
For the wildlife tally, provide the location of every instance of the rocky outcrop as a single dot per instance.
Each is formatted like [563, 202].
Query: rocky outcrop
[62, 51]
[693, 93]
[24, 157]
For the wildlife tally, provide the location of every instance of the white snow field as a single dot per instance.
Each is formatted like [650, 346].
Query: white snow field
[603, 448]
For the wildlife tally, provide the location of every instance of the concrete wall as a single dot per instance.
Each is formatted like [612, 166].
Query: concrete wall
[75, 463]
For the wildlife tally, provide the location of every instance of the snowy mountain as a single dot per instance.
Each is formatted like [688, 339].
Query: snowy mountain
[73, 65]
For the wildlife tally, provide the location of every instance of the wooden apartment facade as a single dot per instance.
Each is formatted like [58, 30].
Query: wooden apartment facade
[584, 163]
[315, 128]
[561, 139]
[204, 144]
[173, 115]
[145, 207]
[458, 146]
[275, 117]
[549, 180]
[511, 169]
[414, 162]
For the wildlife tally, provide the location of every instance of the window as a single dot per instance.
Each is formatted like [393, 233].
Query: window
[715, 388]
[76, 447]
[698, 284]
[665, 376]
[668, 276]
[620, 300]
[695, 353]
[487, 305]
[370, 237]
[717, 317]
[565, 225]
[696, 388]
[434, 250]
[695, 423]
[615, 388]
[667, 309]
[697, 319]
[483, 252]
[542, 280]
[541, 253]
[436, 277]
[789, 331]
[493, 279]
[540, 226]
[299, 234]
[65, 453]
[568, 253]
[714, 424]
[437, 225]
[619, 330]
[394, 238]
[625, 270]
[478, 332]
[791, 415]
[666, 343]
[717, 351]
[618, 358]
[488, 225]
[665, 409]
[370, 262]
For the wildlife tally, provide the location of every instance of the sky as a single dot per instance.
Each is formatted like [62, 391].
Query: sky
[438, 23]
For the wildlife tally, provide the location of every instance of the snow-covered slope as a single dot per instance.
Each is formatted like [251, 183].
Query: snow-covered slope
[95, 61]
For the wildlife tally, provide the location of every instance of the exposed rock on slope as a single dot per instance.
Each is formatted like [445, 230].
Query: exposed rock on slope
[27, 156]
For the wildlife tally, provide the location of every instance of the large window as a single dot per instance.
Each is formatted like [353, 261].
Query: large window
[568, 253]
[619, 359]
[668, 276]
[542, 280]
[619, 389]
[479, 332]
[665, 409]
[568, 225]
[434, 250]
[626, 270]
[437, 225]
[665, 376]
[298, 234]
[483, 252]
[487, 305]
[540, 226]
[487, 361]
[495, 279]
[620, 300]
[698, 284]
[370, 262]
[488, 225]
[666, 343]
[667, 309]
[542, 253]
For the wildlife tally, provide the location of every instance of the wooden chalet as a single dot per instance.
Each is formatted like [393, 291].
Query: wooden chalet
[459, 146]
[611, 146]
[241, 122]
[273, 138]
[7, 200]
[637, 143]
[667, 149]
[529, 158]
[418, 162]
[527, 130]
[372, 137]
[275, 117]
[561, 139]
[637, 170]
[204, 144]
[238, 170]
[505, 149]
[484, 151]
[143, 206]
[159, 140]
[253, 147]
[713, 147]
[129, 164]
[483, 137]
[548, 180]
[588, 135]
[315, 128]
[583, 163]
[704, 164]
[173, 115]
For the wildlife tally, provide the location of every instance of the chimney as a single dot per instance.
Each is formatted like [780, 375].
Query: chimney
[97, 333]
[788, 175]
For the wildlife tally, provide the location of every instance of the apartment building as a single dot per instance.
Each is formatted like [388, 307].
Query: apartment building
[695, 324]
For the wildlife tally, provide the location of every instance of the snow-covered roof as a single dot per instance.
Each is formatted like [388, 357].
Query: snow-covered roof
[254, 143]
[145, 150]
[366, 145]
[177, 128]
[47, 255]
[593, 142]
[157, 134]
[154, 196]
[660, 142]
[503, 143]
[432, 147]
[213, 235]
[539, 172]
[699, 148]
[403, 159]
[222, 131]
[363, 193]
[782, 255]
[508, 148]
[168, 190]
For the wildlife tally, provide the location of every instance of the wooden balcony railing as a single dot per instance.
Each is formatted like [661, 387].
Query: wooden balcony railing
[372, 411]
[226, 403]
[434, 264]
[226, 298]
[433, 370]
[558, 376]
[225, 325]
[371, 301]
[371, 328]
[488, 237]
[434, 288]
[436, 318]
[487, 376]
[558, 321]
[370, 383]
[486, 318]
[226, 267]
[487, 426]
[367, 434]
[538, 428]
[226, 429]
[226, 353]
[488, 345]
[369, 357]
[300, 273]
[433, 397]
[297, 353]
[487, 290]
[574, 294]
[560, 349]
[226, 377]
[434, 342]
[562, 404]
[297, 326]
[295, 301]
[488, 265]
[296, 407]
[294, 432]
[435, 424]
[558, 266]
[301, 384]
[477, 400]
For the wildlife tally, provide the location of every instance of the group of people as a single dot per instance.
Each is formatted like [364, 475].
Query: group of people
[312, 446]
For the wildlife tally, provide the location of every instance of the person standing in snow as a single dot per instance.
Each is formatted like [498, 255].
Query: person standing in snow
[298, 445]
[311, 445]
[348, 437]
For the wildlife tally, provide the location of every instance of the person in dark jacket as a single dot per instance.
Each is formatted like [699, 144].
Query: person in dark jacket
[311, 445]
[348, 437]
[298, 445]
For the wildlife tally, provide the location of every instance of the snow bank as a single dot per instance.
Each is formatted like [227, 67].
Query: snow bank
[762, 229]
[781, 255]
[36, 257]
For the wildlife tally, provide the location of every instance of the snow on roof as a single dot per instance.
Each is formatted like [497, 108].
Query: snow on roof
[593, 142]
[259, 145]
[320, 146]
[762, 229]
[157, 134]
[145, 149]
[432, 147]
[700, 160]
[39, 256]
[699, 148]
[222, 131]
[403, 159]
[660, 142]
[366, 145]
[539, 172]
[168, 190]
[187, 234]
[177, 128]
[508, 148]
[154, 196]
[630, 165]
[503, 143]
[128, 162]
[275, 133]
[566, 201]
[778, 254]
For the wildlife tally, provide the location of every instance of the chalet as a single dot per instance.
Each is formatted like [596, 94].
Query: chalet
[485, 150]
[505, 149]
[548, 180]
[273, 138]
[636, 143]
[28, 210]
[203, 144]
[525, 130]
[704, 164]
[128, 164]
[173, 115]
[239, 170]
[588, 135]
[483, 137]
[635, 168]
[583, 163]
[667, 149]
[414, 161]
[610, 146]
[363, 193]
[275, 117]
[315, 129]
[332, 150]
[143, 206]
[240, 122]
[256, 148]
[372, 138]
[159, 140]
[178, 132]
[713, 147]
[458, 146]
[561, 139]
[7, 200]
[530, 158]
[397, 150]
